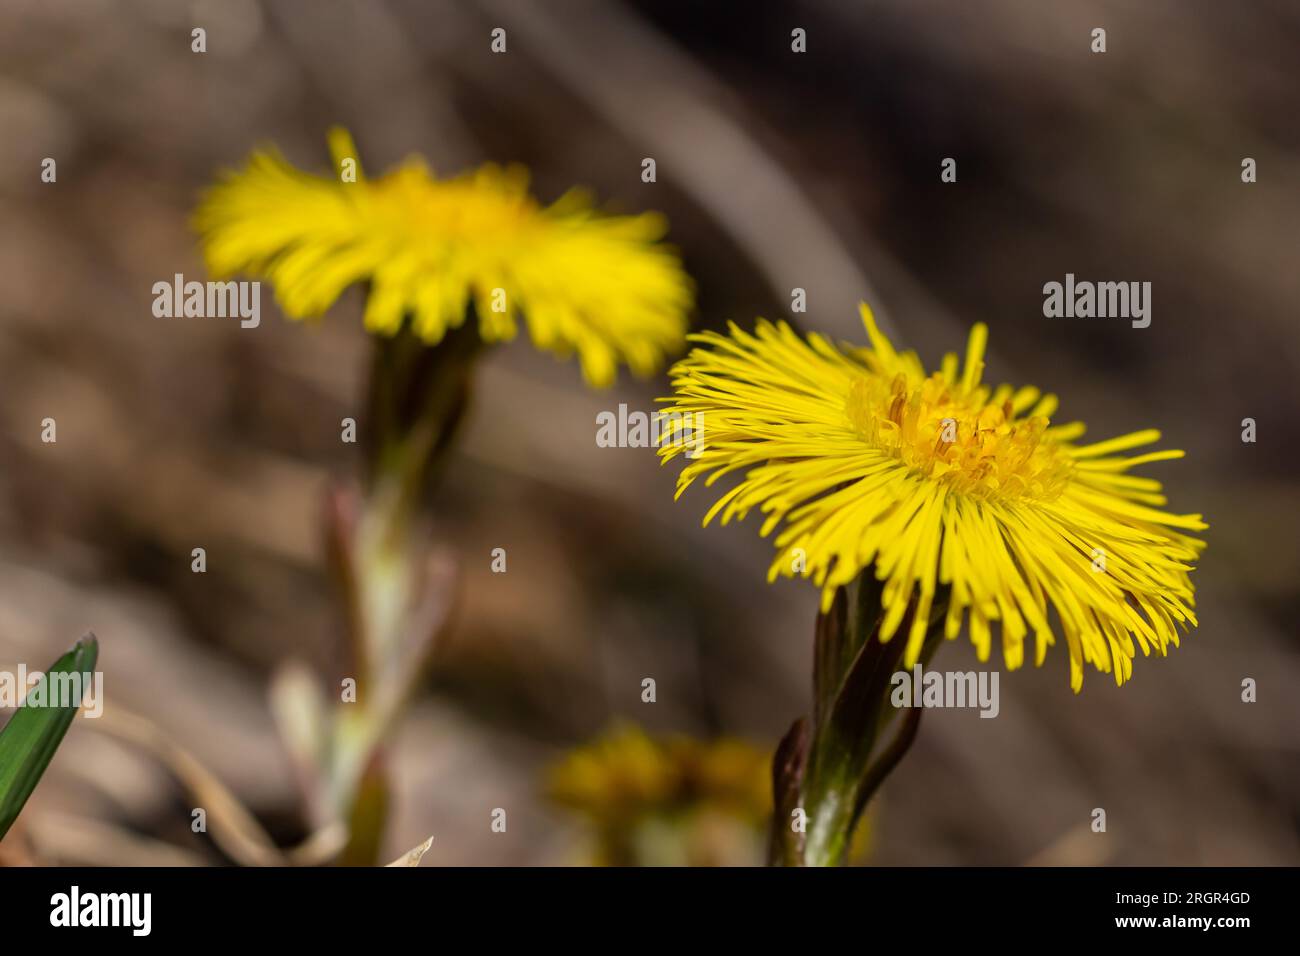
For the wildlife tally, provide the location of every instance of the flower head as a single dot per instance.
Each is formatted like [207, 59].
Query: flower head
[668, 799]
[581, 281]
[627, 774]
[946, 487]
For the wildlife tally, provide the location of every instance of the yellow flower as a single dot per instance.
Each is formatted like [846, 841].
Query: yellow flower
[625, 775]
[595, 284]
[674, 801]
[946, 486]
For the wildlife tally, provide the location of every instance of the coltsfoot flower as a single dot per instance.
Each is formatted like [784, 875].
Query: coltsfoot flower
[668, 800]
[946, 489]
[600, 285]
[626, 773]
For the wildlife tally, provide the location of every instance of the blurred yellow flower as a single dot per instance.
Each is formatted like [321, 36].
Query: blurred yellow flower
[626, 773]
[668, 799]
[581, 281]
[947, 487]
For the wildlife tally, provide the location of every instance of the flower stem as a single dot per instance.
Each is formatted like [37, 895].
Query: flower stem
[380, 544]
[828, 767]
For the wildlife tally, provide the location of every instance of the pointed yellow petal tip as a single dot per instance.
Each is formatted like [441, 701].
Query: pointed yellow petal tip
[342, 147]
[878, 341]
[975, 345]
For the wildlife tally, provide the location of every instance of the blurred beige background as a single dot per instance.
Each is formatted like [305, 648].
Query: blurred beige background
[777, 170]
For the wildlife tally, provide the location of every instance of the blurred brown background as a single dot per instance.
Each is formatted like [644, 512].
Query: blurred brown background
[777, 170]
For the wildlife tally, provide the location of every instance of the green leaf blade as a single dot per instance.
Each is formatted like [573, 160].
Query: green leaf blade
[33, 734]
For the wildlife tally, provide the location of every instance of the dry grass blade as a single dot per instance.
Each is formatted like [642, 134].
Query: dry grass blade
[413, 856]
[233, 827]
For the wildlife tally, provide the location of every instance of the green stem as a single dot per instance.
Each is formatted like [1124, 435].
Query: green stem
[417, 398]
[829, 766]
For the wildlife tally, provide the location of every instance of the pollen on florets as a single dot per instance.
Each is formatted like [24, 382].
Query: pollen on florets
[973, 446]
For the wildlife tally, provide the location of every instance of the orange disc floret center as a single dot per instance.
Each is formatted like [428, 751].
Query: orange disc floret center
[944, 434]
